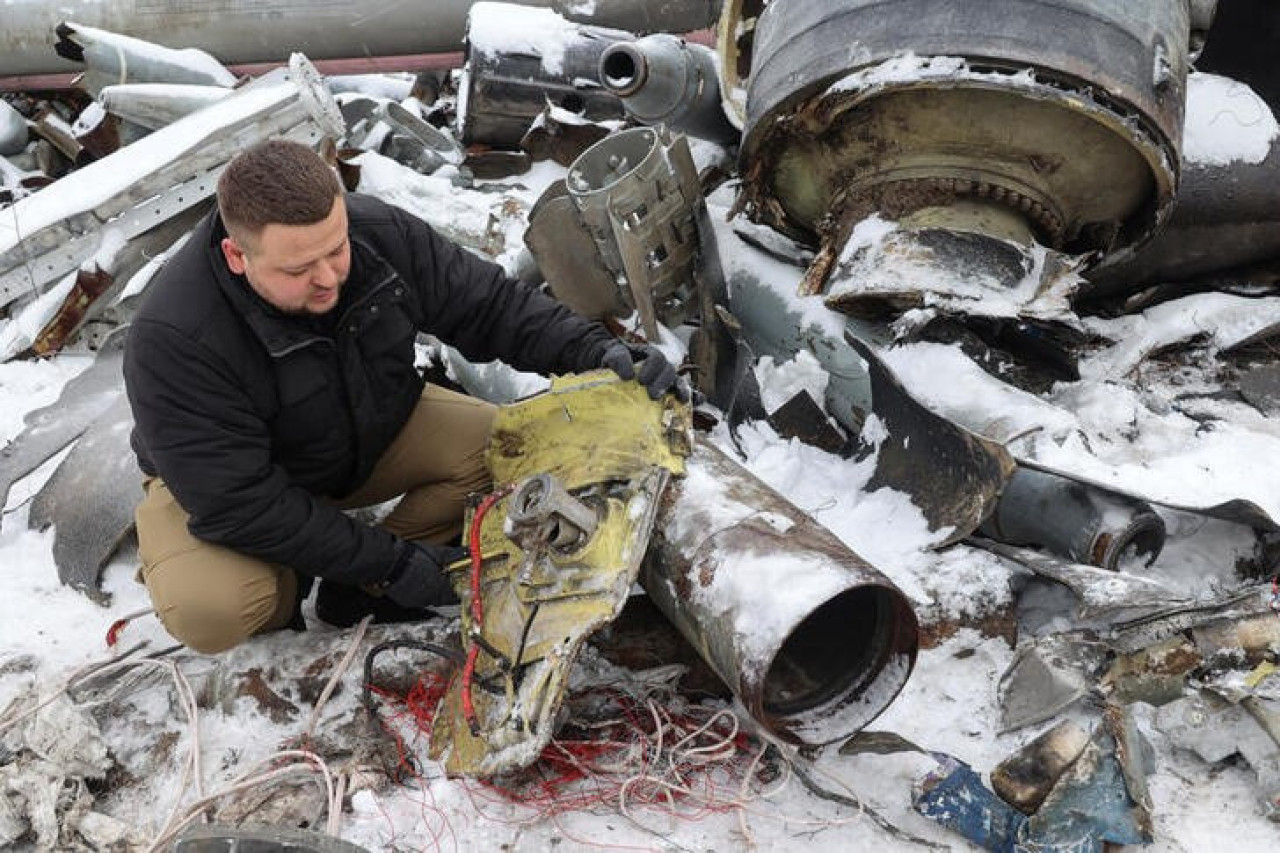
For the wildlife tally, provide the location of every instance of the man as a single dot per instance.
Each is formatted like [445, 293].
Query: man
[271, 372]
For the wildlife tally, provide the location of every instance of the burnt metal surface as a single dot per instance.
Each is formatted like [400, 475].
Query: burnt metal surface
[1025, 778]
[812, 639]
[504, 88]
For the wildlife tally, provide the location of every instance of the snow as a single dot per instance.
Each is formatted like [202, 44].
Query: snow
[495, 29]
[1226, 122]
[1108, 425]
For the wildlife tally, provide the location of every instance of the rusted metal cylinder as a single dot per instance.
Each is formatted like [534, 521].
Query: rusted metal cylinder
[519, 61]
[813, 640]
[1066, 112]
[1083, 523]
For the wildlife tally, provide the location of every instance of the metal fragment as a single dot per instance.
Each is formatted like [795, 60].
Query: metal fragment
[953, 795]
[90, 498]
[156, 105]
[114, 58]
[1101, 798]
[51, 428]
[1025, 778]
[1046, 676]
[1103, 594]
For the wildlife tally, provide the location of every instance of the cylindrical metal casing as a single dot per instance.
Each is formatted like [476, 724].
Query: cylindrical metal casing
[1075, 520]
[1067, 110]
[508, 80]
[813, 640]
[662, 79]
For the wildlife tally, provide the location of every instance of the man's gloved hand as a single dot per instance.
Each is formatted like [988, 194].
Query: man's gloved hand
[418, 578]
[646, 364]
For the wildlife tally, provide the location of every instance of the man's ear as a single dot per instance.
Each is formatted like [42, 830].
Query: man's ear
[234, 255]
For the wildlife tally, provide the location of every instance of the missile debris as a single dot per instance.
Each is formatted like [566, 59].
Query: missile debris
[13, 130]
[631, 202]
[114, 58]
[1225, 212]
[251, 34]
[662, 79]
[812, 639]
[90, 498]
[963, 137]
[555, 551]
[51, 428]
[508, 79]
[1024, 779]
[1083, 524]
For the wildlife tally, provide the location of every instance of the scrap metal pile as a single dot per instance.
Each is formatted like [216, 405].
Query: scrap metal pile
[1025, 200]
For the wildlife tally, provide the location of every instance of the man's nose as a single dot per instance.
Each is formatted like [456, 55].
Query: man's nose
[327, 275]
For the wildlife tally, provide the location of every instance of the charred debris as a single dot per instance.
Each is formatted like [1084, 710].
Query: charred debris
[1026, 199]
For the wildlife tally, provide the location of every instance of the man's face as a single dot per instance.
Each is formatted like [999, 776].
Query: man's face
[299, 269]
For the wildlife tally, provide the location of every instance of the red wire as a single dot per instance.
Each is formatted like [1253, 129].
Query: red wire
[477, 606]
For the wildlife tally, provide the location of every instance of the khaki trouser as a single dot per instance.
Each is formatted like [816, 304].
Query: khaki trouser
[212, 598]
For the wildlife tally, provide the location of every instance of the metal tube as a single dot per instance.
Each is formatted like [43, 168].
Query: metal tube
[643, 16]
[1084, 523]
[114, 58]
[663, 79]
[1227, 216]
[813, 640]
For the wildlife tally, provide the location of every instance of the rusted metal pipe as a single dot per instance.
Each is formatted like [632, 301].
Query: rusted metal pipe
[812, 639]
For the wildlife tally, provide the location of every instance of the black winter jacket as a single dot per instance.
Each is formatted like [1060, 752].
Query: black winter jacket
[249, 415]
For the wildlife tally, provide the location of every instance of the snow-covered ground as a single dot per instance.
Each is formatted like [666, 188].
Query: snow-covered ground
[167, 751]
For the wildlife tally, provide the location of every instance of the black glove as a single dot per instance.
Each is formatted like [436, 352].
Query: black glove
[646, 364]
[418, 578]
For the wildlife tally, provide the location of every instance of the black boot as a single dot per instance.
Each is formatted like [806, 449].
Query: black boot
[342, 606]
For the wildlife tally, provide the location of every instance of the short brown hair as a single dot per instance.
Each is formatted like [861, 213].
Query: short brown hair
[276, 181]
